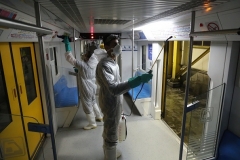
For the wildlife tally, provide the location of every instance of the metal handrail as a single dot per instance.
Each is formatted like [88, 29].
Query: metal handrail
[4, 22]
[220, 32]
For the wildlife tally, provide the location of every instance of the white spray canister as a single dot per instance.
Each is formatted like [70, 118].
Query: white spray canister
[122, 129]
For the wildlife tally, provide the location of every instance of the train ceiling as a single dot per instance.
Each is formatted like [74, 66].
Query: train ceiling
[110, 16]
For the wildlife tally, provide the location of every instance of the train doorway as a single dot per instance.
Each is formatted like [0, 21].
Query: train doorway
[20, 101]
[175, 69]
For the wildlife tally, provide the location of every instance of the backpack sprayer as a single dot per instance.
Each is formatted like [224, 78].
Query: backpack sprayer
[122, 127]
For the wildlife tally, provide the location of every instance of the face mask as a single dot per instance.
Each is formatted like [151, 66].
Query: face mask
[117, 50]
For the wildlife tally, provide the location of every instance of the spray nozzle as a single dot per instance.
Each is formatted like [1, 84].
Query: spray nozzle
[150, 72]
[169, 38]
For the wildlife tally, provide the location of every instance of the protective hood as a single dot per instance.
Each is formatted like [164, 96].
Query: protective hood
[92, 61]
[100, 53]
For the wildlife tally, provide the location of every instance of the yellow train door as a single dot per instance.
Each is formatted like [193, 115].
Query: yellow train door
[27, 79]
[24, 99]
[12, 139]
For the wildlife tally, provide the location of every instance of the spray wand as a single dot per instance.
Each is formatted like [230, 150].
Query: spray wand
[150, 71]
[122, 128]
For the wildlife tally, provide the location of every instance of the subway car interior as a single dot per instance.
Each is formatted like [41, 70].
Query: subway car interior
[190, 109]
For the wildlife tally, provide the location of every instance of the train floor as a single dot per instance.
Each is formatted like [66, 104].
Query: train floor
[147, 139]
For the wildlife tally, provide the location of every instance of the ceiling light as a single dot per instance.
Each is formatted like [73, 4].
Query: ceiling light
[156, 25]
[208, 9]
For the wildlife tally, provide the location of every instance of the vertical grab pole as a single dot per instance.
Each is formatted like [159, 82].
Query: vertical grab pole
[132, 47]
[132, 52]
[41, 48]
[74, 43]
[187, 86]
[75, 55]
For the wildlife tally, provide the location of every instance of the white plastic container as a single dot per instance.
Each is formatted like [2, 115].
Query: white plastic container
[122, 129]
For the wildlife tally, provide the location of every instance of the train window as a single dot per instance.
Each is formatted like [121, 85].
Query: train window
[53, 57]
[51, 54]
[143, 58]
[26, 58]
[5, 116]
[197, 43]
[202, 43]
[206, 43]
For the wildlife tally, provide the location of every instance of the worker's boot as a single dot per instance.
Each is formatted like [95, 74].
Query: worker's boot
[111, 153]
[118, 154]
[91, 120]
[97, 113]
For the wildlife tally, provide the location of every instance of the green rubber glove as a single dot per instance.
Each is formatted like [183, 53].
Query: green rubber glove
[146, 77]
[67, 44]
[75, 69]
[134, 81]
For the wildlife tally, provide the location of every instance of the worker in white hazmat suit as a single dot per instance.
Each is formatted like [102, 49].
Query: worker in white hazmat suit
[86, 69]
[110, 94]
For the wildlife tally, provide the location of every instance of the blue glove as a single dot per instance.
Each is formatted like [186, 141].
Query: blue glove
[63, 36]
[134, 81]
[75, 69]
[146, 77]
[67, 44]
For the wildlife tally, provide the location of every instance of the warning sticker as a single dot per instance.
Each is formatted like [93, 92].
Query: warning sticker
[212, 26]
[12, 147]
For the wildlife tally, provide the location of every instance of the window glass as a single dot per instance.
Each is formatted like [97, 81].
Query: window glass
[143, 57]
[51, 54]
[28, 73]
[5, 112]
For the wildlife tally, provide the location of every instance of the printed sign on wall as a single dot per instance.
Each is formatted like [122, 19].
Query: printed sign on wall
[128, 48]
[7, 13]
[150, 51]
[212, 26]
[21, 34]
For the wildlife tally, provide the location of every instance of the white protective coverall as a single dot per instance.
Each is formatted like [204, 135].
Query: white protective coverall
[87, 88]
[110, 102]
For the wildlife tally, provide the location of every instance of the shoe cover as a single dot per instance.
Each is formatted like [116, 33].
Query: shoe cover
[91, 120]
[110, 153]
[97, 113]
